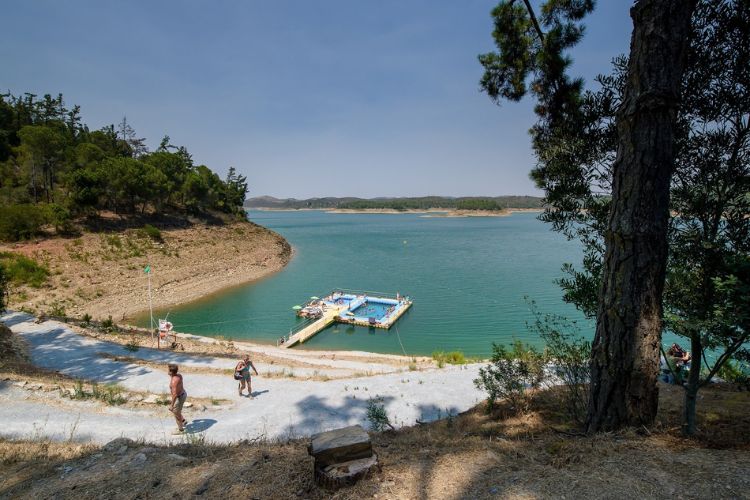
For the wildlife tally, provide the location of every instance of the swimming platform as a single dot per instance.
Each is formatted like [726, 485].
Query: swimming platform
[349, 307]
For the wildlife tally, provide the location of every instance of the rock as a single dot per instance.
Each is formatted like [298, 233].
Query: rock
[117, 444]
[202, 488]
[346, 473]
[188, 405]
[122, 450]
[340, 445]
[139, 458]
[137, 398]
[175, 456]
[202, 408]
[151, 399]
[21, 383]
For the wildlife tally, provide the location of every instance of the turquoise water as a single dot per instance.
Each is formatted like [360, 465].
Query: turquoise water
[467, 276]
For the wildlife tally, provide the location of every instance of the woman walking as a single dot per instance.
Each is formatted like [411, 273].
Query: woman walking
[242, 373]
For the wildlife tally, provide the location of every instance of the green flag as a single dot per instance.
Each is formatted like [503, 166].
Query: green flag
[147, 269]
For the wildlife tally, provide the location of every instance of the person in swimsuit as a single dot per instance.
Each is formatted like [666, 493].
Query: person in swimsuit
[179, 396]
[243, 368]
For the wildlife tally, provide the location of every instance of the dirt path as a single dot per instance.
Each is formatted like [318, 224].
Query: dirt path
[282, 406]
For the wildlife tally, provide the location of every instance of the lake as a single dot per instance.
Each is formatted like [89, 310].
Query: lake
[468, 278]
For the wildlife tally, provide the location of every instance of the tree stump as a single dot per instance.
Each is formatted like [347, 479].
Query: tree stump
[342, 456]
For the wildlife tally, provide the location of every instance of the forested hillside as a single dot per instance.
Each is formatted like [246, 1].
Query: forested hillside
[417, 203]
[54, 170]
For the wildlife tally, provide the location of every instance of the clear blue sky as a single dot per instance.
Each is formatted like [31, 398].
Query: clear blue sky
[322, 98]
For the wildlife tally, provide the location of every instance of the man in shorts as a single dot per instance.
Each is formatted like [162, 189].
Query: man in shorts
[178, 396]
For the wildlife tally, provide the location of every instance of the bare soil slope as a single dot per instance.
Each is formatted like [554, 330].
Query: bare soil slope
[102, 273]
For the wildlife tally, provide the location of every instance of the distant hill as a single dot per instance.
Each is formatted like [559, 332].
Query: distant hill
[420, 203]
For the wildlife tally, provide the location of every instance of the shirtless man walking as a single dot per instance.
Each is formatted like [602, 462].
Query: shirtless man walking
[178, 396]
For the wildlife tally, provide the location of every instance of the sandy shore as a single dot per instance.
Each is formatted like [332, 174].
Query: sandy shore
[102, 274]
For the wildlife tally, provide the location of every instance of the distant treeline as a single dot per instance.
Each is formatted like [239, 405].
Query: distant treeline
[53, 169]
[420, 203]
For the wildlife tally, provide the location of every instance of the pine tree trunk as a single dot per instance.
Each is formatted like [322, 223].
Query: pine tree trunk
[625, 354]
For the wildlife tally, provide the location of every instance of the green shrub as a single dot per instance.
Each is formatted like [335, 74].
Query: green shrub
[735, 373]
[150, 231]
[512, 375]
[132, 345]
[22, 222]
[452, 358]
[377, 415]
[60, 217]
[108, 323]
[22, 270]
[86, 319]
[57, 310]
[569, 354]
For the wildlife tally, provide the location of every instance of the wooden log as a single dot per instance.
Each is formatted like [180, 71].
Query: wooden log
[335, 476]
[340, 445]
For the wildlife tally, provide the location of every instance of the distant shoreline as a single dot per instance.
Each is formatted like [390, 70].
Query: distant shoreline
[426, 212]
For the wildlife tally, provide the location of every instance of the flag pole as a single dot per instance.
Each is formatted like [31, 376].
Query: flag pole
[150, 307]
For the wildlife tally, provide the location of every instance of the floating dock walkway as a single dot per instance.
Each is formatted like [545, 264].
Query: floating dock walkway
[355, 308]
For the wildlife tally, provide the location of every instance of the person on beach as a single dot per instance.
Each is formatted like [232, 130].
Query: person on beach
[179, 396]
[243, 370]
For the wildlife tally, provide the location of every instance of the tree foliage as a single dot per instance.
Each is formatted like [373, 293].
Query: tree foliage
[51, 164]
[707, 283]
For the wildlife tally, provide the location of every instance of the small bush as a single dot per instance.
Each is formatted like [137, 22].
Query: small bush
[86, 319]
[78, 392]
[132, 345]
[377, 415]
[22, 222]
[151, 232]
[60, 217]
[512, 375]
[22, 270]
[108, 323]
[57, 310]
[112, 395]
[569, 354]
[452, 358]
[736, 373]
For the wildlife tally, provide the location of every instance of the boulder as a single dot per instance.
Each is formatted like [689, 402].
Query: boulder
[340, 445]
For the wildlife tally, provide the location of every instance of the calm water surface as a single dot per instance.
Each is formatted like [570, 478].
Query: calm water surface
[468, 278]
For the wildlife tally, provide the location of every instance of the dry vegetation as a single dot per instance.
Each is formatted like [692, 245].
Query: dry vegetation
[469, 455]
[101, 273]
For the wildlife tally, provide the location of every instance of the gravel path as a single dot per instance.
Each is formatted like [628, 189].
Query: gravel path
[281, 408]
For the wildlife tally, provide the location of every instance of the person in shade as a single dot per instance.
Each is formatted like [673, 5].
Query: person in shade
[243, 371]
[177, 388]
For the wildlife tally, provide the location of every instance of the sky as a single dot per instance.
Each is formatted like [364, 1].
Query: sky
[323, 98]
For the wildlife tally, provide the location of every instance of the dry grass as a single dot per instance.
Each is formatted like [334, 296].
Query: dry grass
[470, 455]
